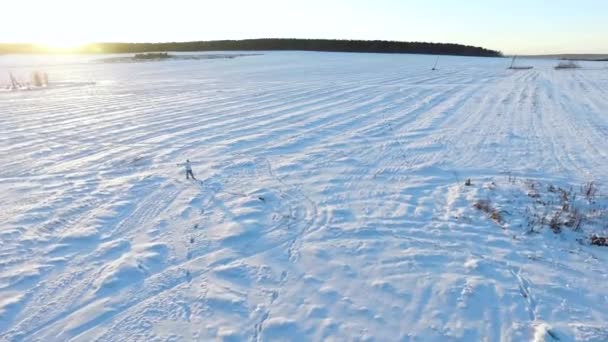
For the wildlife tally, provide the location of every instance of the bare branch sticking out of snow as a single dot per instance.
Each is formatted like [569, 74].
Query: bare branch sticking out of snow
[544, 333]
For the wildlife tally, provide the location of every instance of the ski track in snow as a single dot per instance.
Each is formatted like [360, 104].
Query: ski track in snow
[331, 203]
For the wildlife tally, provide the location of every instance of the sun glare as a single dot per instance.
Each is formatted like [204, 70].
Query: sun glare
[62, 45]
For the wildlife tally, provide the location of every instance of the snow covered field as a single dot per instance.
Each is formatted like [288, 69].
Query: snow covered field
[332, 207]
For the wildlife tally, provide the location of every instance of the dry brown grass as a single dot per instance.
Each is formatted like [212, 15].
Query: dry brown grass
[486, 207]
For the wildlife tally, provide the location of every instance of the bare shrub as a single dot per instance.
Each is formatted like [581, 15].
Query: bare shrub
[534, 221]
[556, 223]
[575, 219]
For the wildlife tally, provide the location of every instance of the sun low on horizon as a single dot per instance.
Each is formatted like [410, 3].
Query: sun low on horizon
[62, 44]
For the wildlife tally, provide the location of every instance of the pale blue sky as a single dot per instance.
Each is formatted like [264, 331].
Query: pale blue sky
[512, 26]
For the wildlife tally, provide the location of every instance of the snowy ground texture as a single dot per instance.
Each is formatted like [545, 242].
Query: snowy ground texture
[333, 204]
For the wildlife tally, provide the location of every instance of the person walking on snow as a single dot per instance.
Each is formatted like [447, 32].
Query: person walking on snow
[188, 167]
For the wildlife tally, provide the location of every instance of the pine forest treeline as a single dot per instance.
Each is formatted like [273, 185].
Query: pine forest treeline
[375, 46]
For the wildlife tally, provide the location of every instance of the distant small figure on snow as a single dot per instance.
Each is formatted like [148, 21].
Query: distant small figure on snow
[188, 167]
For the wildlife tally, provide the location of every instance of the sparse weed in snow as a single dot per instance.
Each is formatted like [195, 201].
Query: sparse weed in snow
[550, 206]
[589, 190]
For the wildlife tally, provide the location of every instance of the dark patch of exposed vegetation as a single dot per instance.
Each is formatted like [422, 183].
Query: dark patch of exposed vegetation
[328, 45]
[147, 57]
[152, 55]
[535, 206]
[599, 241]
[486, 207]
[559, 211]
[567, 64]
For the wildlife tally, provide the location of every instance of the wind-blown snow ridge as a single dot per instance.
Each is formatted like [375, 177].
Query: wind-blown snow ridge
[332, 203]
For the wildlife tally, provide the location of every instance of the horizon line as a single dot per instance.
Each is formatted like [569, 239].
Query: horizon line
[77, 46]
